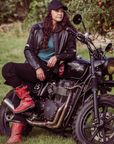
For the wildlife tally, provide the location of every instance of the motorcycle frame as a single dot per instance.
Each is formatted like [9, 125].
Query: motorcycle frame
[94, 81]
[94, 84]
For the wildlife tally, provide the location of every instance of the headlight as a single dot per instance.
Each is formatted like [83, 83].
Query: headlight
[108, 66]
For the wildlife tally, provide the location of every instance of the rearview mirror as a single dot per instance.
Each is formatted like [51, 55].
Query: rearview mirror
[77, 19]
[108, 47]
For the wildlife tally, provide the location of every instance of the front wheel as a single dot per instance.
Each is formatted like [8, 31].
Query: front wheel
[6, 116]
[86, 131]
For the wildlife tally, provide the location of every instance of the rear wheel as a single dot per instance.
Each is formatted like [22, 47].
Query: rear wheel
[84, 129]
[6, 116]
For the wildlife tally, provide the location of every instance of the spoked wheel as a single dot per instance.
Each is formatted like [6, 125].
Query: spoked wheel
[6, 116]
[86, 131]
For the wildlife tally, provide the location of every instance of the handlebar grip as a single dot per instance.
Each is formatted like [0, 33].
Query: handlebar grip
[70, 30]
[79, 37]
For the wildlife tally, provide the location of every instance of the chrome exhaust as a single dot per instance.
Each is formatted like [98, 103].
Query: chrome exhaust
[56, 123]
[8, 103]
[48, 123]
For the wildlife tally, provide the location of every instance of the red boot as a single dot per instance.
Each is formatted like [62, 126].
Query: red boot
[15, 133]
[26, 100]
[21, 91]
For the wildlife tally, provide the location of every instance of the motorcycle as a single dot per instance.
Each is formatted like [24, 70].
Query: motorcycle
[76, 98]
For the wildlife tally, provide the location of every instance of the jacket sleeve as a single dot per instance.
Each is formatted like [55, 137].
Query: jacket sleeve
[70, 50]
[29, 50]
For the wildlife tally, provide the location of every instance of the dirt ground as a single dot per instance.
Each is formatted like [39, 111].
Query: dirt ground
[100, 41]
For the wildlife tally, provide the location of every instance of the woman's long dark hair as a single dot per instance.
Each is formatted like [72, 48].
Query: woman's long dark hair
[47, 29]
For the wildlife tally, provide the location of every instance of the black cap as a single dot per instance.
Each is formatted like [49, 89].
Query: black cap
[55, 4]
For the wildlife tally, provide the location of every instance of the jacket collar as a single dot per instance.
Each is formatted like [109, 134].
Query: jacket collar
[40, 25]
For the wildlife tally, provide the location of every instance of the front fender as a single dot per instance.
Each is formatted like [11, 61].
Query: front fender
[109, 83]
[105, 86]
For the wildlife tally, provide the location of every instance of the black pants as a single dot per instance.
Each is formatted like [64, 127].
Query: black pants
[17, 74]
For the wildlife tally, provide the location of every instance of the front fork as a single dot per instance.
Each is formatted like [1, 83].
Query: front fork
[94, 84]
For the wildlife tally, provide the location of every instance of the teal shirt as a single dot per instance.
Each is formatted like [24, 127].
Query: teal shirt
[46, 54]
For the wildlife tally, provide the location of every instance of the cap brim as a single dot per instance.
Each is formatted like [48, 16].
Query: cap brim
[64, 7]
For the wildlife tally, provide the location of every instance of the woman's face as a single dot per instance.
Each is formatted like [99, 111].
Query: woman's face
[57, 15]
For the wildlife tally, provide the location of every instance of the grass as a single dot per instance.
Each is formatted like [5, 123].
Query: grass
[11, 50]
[42, 136]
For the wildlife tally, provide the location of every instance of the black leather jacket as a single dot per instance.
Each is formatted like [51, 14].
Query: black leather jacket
[64, 43]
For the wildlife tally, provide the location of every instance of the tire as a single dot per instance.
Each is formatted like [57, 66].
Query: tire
[83, 128]
[6, 116]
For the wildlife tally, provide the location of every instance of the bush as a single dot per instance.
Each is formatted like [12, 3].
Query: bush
[12, 10]
[38, 10]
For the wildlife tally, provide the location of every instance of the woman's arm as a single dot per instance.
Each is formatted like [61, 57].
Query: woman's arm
[31, 57]
[70, 49]
[29, 50]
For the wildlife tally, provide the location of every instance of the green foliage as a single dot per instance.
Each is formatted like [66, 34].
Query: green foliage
[12, 10]
[38, 10]
[98, 17]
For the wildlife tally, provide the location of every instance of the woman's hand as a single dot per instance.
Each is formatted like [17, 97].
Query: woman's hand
[40, 74]
[52, 61]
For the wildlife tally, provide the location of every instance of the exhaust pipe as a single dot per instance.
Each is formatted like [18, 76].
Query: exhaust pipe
[56, 123]
[8, 103]
[48, 123]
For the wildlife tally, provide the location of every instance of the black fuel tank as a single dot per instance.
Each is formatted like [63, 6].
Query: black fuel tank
[77, 69]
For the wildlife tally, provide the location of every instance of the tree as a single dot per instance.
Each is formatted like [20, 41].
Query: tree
[12, 10]
[97, 14]
[38, 10]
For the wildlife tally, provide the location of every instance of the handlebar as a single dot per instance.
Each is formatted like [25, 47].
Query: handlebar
[81, 38]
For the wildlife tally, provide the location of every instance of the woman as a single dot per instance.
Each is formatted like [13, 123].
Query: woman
[47, 45]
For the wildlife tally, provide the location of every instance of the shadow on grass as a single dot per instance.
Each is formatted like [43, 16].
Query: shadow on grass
[41, 131]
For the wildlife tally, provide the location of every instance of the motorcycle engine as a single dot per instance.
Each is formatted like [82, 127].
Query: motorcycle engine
[56, 96]
[60, 92]
[50, 109]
